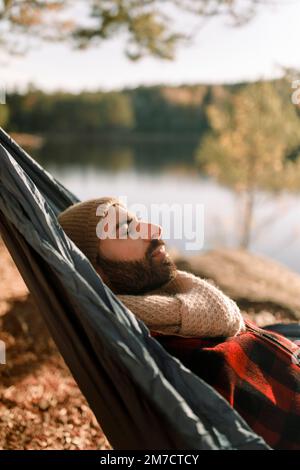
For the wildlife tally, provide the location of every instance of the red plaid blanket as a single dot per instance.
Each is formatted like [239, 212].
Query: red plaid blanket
[258, 372]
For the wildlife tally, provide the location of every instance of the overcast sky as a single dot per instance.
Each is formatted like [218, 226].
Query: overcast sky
[219, 54]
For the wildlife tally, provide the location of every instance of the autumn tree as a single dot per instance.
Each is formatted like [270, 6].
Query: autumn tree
[253, 144]
[148, 24]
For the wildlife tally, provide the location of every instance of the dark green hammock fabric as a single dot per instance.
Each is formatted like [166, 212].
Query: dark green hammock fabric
[143, 397]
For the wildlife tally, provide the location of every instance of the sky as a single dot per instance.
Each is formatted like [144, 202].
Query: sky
[219, 54]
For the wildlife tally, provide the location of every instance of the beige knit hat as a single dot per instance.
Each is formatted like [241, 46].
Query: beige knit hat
[79, 222]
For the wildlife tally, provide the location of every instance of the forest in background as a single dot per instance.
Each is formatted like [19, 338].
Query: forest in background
[155, 109]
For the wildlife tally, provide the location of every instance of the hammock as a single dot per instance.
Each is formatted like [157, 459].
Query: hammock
[142, 396]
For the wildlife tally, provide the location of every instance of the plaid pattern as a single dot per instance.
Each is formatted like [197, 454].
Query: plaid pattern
[258, 372]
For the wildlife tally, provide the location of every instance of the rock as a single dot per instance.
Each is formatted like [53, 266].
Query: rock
[251, 280]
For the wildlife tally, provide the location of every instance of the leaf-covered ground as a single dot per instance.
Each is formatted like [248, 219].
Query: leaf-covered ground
[41, 406]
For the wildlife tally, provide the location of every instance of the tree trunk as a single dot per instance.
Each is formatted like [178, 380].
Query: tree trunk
[247, 218]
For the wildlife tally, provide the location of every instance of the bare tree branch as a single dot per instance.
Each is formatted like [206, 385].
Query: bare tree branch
[148, 30]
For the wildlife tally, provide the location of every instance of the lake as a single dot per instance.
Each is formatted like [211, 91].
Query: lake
[162, 171]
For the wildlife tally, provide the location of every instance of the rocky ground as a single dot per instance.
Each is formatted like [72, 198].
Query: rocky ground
[41, 406]
[266, 291]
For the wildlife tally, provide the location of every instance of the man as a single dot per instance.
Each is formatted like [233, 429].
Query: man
[256, 371]
[132, 260]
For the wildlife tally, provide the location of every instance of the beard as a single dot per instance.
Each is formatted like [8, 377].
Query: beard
[137, 277]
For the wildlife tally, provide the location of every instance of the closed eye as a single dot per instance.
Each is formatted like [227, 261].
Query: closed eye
[124, 228]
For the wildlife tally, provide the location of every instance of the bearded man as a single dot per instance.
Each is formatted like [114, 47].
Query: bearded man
[131, 258]
[256, 371]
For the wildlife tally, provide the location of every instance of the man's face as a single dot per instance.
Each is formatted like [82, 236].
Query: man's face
[134, 259]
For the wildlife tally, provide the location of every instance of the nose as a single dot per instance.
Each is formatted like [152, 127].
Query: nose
[149, 231]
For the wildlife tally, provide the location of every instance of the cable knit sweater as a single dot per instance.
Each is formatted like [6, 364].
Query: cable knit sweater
[187, 306]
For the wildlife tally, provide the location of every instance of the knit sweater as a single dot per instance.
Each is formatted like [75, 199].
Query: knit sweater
[187, 306]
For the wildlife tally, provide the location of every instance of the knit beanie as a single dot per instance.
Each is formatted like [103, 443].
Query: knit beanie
[79, 222]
